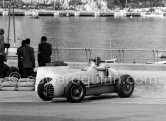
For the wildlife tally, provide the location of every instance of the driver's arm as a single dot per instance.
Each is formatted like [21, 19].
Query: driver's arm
[102, 67]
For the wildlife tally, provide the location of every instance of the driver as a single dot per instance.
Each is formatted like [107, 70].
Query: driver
[101, 67]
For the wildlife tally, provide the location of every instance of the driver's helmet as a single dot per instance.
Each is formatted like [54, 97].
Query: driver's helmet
[97, 60]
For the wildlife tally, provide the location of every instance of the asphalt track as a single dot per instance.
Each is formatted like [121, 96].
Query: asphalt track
[148, 103]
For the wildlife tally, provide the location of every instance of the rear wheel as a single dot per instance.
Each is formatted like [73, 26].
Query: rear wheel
[75, 91]
[40, 90]
[125, 86]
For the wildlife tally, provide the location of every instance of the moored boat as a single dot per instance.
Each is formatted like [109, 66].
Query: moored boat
[152, 14]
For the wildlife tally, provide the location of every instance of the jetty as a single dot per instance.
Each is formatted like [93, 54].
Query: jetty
[68, 13]
[71, 13]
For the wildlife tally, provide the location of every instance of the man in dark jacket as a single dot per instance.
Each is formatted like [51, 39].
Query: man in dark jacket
[44, 52]
[28, 59]
[2, 52]
[20, 57]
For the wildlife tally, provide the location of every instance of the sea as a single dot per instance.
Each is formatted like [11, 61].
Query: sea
[123, 33]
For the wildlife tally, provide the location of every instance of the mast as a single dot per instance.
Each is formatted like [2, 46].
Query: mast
[8, 34]
[9, 27]
[9, 14]
[126, 4]
[14, 27]
[3, 3]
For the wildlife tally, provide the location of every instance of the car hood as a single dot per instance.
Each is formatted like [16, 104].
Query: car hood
[51, 72]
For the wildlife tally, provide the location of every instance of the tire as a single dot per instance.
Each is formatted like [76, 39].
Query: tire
[8, 84]
[6, 70]
[26, 84]
[25, 88]
[40, 89]
[125, 86]
[15, 72]
[33, 75]
[14, 69]
[75, 91]
[8, 89]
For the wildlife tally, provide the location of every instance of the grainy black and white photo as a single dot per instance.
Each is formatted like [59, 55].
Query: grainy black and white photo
[82, 60]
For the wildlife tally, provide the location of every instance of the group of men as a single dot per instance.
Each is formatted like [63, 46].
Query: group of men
[26, 56]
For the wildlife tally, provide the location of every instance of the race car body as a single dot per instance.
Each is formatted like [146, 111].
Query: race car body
[62, 81]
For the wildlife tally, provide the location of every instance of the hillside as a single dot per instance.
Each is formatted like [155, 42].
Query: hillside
[99, 4]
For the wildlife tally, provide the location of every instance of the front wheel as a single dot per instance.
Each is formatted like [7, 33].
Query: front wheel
[125, 86]
[40, 90]
[75, 91]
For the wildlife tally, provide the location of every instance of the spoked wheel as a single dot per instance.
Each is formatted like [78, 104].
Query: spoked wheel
[125, 86]
[75, 91]
[41, 91]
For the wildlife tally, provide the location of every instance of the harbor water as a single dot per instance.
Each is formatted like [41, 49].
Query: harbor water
[92, 32]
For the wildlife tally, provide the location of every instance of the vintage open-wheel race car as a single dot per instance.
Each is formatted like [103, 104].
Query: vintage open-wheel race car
[61, 81]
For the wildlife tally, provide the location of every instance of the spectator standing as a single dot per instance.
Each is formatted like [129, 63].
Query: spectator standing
[44, 52]
[2, 52]
[28, 59]
[20, 57]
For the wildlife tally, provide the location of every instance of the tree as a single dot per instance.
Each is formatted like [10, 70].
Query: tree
[75, 2]
[58, 5]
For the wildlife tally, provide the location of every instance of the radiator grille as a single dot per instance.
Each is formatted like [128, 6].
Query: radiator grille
[49, 90]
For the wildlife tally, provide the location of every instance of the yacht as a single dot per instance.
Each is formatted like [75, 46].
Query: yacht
[152, 14]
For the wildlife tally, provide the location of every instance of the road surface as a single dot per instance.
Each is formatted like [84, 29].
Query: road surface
[148, 103]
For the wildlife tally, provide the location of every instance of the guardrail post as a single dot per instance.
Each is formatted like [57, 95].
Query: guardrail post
[110, 54]
[119, 56]
[90, 52]
[123, 54]
[86, 54]
[157, 53]
[154, 55]
[57, 53]
[54, 49]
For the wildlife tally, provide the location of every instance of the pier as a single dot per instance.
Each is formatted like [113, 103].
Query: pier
[45, 13]
[133, 14]
[58, 13]
[104, 14]
[71, 13]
